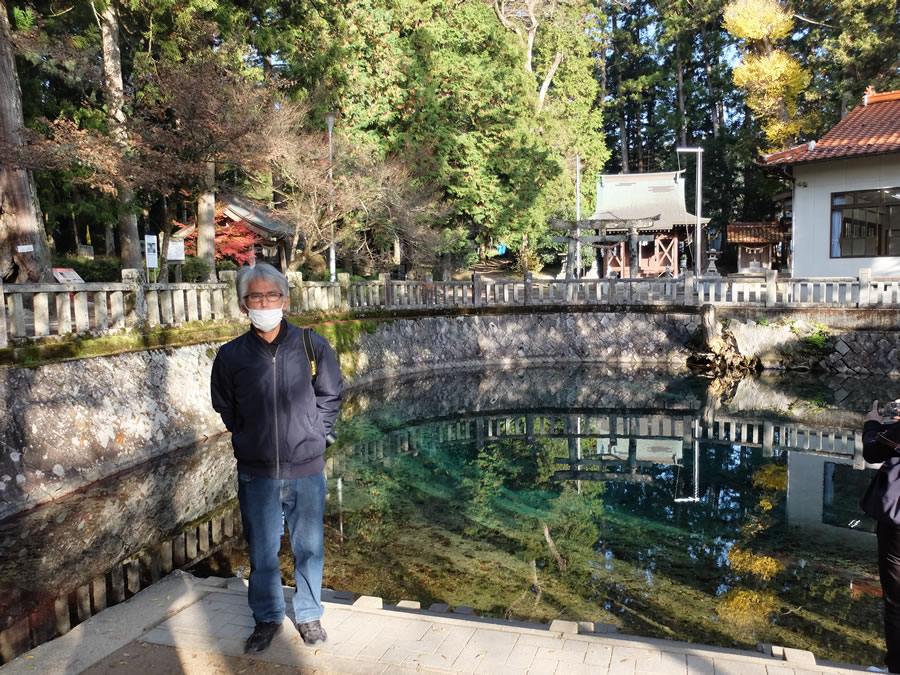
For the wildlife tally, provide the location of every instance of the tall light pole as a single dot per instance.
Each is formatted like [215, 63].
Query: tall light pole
[697, 234]
[577, 216]
[330, 118]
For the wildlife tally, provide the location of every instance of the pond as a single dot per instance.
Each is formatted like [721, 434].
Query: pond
[670, 506]
[665, 504]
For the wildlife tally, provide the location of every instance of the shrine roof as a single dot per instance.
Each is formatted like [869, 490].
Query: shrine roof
[642, 196]
[755, 233]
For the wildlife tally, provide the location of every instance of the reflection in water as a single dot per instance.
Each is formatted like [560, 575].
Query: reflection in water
[623, 498]
[67, 559]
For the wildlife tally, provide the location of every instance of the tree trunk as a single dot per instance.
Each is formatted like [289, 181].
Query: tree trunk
[682, 118]
[548, 78]
[713, 93]
[639, 142]
[115, 98]
[206, 221]
[23, 242]
[623, 140]
[165, 233]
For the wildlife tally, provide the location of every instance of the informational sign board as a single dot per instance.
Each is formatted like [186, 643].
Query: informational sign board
[151, 251]
[86, 251]
[66, 275]
[25, 248]
[176, 251]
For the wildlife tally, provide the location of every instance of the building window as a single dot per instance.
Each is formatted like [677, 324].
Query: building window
[865, 223]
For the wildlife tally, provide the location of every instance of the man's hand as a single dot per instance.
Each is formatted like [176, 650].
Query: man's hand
[873, 415]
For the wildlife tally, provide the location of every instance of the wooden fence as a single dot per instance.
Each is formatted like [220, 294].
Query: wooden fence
[38, 311]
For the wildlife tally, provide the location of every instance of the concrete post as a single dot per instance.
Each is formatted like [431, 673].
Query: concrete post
[771, 287]
[232, 309]
[344, 281]
[295, 288]
[528, 290]
[385, 279]
[429, 299]
[476, 289]
[687, 279]
[865, 286]
[136, 312]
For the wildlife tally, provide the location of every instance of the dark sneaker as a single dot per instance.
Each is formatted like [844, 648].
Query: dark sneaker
[312, 632]
[262, 636]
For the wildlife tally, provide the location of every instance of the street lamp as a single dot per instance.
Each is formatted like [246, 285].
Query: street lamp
[697, 233]
[330, 118]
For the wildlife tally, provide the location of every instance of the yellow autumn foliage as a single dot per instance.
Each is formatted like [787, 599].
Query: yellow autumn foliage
[757, 20]
[773, 84]
[771, 477]
[747, 562]
[746, 609]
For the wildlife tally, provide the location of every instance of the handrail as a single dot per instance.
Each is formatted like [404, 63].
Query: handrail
[35, 311]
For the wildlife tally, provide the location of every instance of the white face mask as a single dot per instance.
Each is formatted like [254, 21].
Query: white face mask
[265, 320]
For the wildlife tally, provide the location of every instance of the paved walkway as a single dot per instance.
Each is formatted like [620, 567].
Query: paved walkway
[187, 625]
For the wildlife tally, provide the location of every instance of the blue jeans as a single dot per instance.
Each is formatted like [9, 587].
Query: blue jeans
[302, 503]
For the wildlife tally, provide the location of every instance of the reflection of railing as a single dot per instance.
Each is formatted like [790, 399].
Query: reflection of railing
[609, 430]
[53, 616]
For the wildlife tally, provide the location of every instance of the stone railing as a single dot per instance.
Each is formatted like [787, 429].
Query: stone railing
[36, 311]
[753, 291]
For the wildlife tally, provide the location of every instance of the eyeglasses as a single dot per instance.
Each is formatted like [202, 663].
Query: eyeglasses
[258, 298]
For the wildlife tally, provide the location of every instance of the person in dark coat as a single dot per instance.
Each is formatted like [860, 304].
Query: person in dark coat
[278, 389]
[878, 440]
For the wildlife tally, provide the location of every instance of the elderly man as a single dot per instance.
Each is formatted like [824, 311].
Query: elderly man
[278, 390]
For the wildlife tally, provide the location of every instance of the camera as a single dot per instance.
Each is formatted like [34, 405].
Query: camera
[890, 409]
[331, 437]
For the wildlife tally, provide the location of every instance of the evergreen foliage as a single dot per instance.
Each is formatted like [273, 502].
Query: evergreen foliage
[460, 120]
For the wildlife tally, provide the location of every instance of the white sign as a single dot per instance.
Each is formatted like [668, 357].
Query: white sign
[66, 275]
[151, 250]
[27, 248]
[176, 250]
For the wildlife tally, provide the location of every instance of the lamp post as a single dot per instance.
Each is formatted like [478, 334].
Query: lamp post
[697, 233]
[330, 118]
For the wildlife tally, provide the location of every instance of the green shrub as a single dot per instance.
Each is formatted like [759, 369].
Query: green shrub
[194, 269]
[226, 266]
[528, 260]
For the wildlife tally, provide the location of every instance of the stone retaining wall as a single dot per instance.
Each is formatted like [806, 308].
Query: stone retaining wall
[434, 343]
[865, 353]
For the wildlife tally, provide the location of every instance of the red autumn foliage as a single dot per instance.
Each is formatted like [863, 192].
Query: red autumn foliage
[233, 241]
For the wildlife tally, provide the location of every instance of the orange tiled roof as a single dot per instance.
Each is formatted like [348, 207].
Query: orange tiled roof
[872, 128]
[755, 233]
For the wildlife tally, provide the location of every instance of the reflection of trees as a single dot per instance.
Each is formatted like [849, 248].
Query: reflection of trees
[481, 521]
[747, 609]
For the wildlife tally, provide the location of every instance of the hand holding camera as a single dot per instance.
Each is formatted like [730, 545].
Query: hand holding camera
[890, 410]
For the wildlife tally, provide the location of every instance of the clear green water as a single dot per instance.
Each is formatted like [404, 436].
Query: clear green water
[666, 505]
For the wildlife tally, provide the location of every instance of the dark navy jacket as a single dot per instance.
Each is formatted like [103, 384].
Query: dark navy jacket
[277, 415]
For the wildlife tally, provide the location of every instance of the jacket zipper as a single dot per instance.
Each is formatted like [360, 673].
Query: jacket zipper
[275, 412]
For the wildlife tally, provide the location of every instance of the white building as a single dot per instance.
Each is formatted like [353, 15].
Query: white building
[846, 202]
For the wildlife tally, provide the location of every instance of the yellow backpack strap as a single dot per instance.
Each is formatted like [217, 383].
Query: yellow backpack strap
[310, 352]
